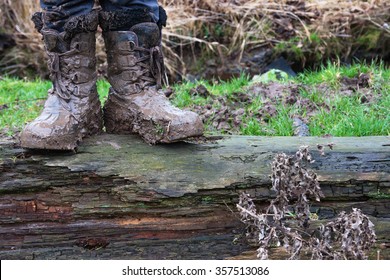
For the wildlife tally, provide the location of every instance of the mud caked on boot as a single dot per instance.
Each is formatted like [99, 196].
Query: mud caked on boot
[72, 110]
[135, 70]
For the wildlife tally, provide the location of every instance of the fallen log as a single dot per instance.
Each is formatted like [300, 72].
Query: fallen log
[119, 198]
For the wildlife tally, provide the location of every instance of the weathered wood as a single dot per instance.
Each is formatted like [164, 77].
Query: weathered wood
[119, 198]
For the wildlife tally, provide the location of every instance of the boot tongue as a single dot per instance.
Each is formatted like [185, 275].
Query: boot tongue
[148, 34]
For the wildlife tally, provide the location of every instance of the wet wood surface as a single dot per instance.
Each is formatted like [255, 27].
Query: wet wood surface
[119, 198]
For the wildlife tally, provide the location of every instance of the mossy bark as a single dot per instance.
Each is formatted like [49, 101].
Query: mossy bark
[119, 198]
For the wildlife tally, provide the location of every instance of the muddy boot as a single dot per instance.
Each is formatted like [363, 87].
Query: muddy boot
[72, 110]
[135, 103]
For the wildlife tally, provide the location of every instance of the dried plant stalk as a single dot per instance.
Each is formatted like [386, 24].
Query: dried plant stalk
[217, 29]
[285, 221]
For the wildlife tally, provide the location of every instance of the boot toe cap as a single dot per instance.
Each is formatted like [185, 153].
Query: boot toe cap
[43, 135]
[190, 125]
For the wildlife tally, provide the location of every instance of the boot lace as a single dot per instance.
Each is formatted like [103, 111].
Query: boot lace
[152, 63]
[59, 79]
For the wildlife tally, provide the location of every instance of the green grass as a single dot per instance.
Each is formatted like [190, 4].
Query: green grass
[279, 125]
[379, 195]
[336, 114]
[102, 88]
[20, 102]
[183, 97]
[332, 72]
[350, 118]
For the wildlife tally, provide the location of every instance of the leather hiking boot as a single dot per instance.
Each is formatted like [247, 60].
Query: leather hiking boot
[72, 110]
[135, 104]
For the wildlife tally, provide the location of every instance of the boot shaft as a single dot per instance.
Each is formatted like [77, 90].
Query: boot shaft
[135, 60]
[133, 46]
[71, 62]
[75, 25]
[71, 53]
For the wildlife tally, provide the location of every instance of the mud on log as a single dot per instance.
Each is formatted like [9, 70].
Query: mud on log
[119, 198]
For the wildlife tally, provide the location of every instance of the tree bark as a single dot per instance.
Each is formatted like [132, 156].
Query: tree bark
[119, 198]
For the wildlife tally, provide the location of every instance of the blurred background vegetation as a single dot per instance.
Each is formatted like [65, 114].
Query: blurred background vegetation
[206, 38]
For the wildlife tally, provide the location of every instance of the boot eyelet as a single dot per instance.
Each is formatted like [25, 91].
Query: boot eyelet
[133, 76]
[132, 45]
[75, 78]
[137, 86]
[77, 63]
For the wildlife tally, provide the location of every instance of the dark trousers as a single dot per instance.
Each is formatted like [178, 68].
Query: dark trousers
[61, 10]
